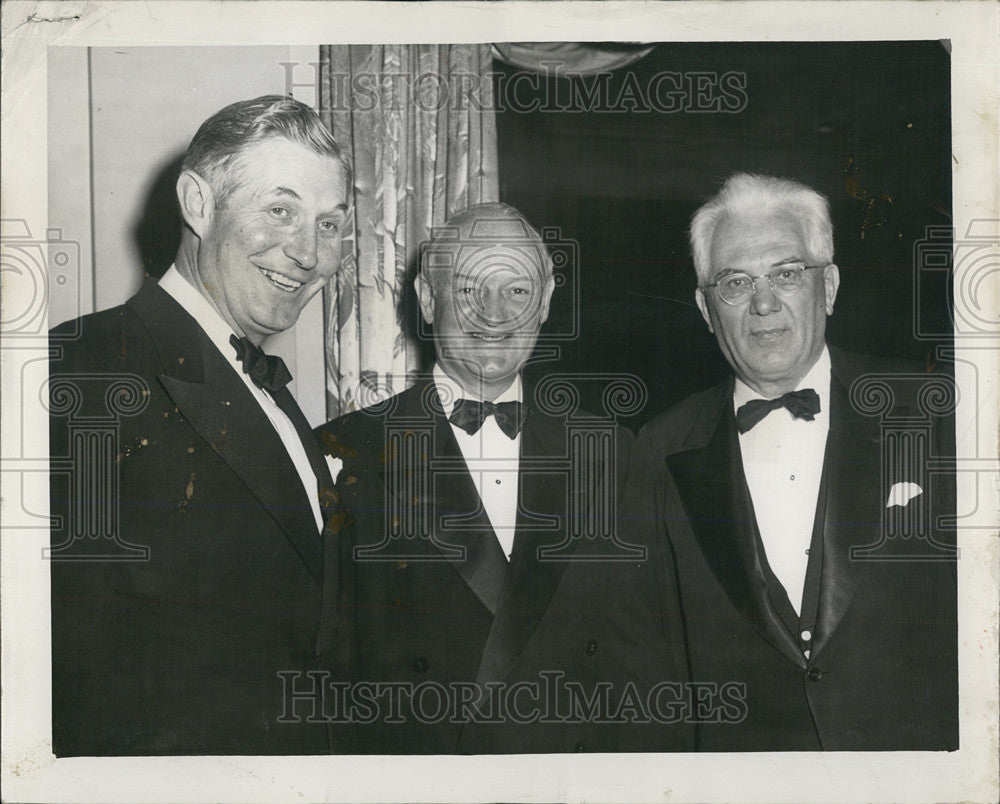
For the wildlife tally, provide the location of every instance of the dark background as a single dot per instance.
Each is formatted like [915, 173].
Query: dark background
[867, 124]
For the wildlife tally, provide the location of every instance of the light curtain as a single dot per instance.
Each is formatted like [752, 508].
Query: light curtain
[418, 124]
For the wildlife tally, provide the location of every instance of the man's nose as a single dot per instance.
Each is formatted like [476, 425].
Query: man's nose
[302, 247]
[493, 308]
[764, 300]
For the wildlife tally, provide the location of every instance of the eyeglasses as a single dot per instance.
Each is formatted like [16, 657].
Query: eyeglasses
[738, 287]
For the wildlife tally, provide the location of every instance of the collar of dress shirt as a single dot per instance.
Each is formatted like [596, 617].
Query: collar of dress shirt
[218, 331]
[202, 311]
[449, 391]
[817, 378]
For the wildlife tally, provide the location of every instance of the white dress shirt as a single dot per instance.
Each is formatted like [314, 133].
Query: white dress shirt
[492, 458]
[783, 465]
[218, 331]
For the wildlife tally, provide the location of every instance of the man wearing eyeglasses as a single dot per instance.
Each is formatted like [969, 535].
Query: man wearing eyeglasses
[809, 566]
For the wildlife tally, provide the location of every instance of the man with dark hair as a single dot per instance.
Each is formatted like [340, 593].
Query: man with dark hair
[479, 613]
[173, 618]
[811, 566]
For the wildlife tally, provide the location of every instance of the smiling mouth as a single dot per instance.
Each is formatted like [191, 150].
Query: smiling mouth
[489, 338]
[279, 281]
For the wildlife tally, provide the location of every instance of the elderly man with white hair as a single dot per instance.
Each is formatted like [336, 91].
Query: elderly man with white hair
[798, 501]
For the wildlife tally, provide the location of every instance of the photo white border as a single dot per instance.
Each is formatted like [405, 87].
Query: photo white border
[31, 773]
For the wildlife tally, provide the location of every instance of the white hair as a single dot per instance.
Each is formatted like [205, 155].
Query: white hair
[756, 194]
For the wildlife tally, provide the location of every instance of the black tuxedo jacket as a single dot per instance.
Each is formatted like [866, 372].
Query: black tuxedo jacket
[178, 652]
[882, 669]
[431, 605]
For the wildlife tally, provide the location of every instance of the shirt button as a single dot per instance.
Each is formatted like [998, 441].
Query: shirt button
[497, 481]
[791, 477]
[813, 674]
[580, 747]
[806, 636]
[591, 648]
[419, 665]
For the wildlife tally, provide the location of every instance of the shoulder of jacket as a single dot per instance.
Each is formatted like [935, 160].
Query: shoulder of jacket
[106, 340]
[361, 434]
[671, 428]
[908, 380]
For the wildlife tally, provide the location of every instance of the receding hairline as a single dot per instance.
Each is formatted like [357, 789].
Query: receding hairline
[466, 230]
[461, 224]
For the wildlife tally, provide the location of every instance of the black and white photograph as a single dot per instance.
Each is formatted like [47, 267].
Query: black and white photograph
[406, 398]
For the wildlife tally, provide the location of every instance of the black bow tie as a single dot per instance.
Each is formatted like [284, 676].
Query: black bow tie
[266, 371]
[470, 415]
[802, 404]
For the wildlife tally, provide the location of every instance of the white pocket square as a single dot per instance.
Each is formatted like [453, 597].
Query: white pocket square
[902, 493]
[336, 464]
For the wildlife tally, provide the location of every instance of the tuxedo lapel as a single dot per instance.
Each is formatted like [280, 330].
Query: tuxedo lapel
[284, 399]
[712, 486]
[853, 488]
[543, 500]
[435, 485]
[218, 406]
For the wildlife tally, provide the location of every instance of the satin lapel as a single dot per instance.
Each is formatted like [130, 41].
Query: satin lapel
[220, 408]
[438, 485]
[543, 499]
[310, 444]
[853, 514]
[712, 486]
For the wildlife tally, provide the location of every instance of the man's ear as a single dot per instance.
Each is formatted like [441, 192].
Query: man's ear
[425, 295]
[831, 281]
[196, 201]
[702, 302]
[550, 285]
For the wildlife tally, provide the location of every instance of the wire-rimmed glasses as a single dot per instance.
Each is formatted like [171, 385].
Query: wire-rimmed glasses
[737, 287]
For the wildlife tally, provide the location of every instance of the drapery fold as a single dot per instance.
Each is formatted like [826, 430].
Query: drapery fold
[418, 125]
[570, 58]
